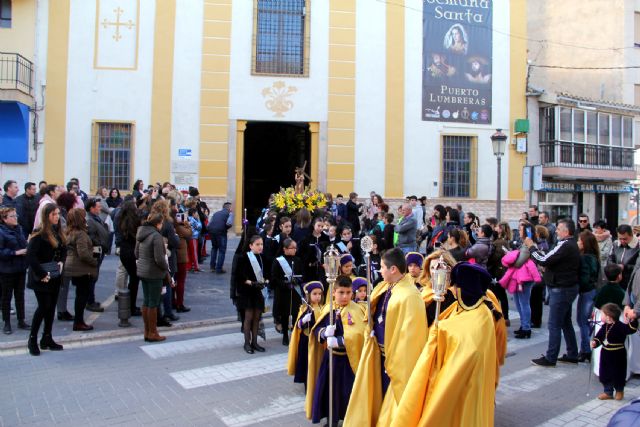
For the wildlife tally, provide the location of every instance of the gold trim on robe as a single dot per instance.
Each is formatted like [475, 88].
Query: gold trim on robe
[405, 336]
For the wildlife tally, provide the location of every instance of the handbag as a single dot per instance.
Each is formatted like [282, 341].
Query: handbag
[52, 268]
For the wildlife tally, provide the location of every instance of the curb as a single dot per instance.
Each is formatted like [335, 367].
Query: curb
[121, 334]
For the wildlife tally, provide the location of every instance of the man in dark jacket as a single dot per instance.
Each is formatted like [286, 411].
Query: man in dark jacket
[10, 193]
[406, 229]
[27, 206]
[99, 234]
[562, 264]
[625, 252]
[218, 225]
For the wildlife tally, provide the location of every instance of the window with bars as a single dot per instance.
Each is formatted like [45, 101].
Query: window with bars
[281, 37]
[112, 149]
[458, 157]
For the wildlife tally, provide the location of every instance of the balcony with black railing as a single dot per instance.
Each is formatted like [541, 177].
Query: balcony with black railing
[16, 72]
[586, 156]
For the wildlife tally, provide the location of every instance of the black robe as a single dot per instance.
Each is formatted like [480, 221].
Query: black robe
[613, 357]
[286, 299]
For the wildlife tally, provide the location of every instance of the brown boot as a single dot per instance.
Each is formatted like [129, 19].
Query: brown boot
[152, 321]
[619, 395]
[145, 316]
[605, 396]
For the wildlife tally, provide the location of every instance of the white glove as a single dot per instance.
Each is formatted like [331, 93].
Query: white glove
[332, 342]
[330, 331]
[372, 334]
[306, 318]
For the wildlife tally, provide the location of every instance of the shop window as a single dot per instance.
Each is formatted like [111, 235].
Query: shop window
[5, 13]
[281, 37]
[603, 123]
[565, 124]
[458, 166]
[592, 127]
[111, 154]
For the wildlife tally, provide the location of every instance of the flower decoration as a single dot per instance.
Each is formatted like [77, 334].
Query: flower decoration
[286, 201]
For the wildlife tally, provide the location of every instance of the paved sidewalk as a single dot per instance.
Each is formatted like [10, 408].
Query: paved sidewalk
[206, 293]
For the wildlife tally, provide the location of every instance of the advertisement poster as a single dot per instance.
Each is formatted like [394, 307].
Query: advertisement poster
[457, 61]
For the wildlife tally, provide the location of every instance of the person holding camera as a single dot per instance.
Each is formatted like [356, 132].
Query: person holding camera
[250, 281]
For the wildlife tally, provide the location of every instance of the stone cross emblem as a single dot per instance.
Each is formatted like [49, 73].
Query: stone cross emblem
[128, 24]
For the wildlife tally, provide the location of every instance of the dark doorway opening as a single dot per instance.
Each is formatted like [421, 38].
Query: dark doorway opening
[272, 151]
[611, 210]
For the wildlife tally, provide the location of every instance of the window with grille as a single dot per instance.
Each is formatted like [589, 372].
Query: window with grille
[281, 37]
[458, 158]
[112, 151]
[5, 13]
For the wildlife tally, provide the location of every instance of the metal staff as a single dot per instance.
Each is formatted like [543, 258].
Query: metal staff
[366, 244]
[244, 225]
[440, 278]
[332, 265]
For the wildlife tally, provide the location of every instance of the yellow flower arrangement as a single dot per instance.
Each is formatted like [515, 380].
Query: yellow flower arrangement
[287, 201]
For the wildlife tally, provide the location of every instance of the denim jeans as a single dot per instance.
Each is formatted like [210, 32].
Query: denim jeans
[522, 304]
[560, 302]
[585, 307]
[218, 251]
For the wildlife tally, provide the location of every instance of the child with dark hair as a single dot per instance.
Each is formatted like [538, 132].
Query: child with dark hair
[611, 292]
[346, 338]
[613, 361]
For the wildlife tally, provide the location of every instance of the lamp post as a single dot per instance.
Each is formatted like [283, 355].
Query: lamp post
[331, 266]
[499, 143]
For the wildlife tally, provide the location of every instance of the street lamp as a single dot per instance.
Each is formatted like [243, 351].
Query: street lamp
[499, 143]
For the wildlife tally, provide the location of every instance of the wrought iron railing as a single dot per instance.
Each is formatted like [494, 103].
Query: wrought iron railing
[16, 72]
[590, 156]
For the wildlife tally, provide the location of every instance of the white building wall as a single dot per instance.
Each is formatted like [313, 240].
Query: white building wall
[185, 126]
[422, 161]
[310, 101]
[98, 94]
[370, 96]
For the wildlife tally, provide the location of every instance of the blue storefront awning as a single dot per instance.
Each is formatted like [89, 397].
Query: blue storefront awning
[14, 132]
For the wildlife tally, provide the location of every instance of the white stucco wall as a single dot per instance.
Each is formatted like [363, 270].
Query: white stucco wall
[310, 102]
[96, 94]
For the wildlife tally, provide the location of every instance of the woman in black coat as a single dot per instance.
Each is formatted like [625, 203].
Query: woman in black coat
[45, 256]
[13, 266]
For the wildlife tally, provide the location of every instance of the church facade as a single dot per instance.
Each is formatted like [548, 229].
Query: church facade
[398, 97]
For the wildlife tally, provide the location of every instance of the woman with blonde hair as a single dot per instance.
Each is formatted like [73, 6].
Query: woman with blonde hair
[428, 267]
[81, 266]
[46, 253]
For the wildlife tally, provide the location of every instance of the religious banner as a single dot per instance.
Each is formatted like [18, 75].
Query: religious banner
[116, 38]
[457, 61]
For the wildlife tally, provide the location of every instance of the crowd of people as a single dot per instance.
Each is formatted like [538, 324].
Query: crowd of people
[539, 262]
[52, 237]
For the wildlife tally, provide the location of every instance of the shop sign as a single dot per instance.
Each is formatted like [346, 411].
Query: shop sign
[569, 187]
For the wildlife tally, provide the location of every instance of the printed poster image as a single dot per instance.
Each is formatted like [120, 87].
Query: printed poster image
[457, 58]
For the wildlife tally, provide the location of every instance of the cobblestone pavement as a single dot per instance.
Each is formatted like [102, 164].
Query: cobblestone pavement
[202, 377]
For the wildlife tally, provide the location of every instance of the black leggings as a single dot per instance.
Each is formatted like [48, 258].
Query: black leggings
[251, 323]
[12, 285]
[46, 309]
[83, 287]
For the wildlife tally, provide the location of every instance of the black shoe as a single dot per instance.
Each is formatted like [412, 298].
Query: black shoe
[164, 322]
[23, 325]
[567, 359]
[285, 339]
[172, 317]
[7, 328]
[183, 309]
[523, 334]
[82, 327]
[536, 325]
[32, 345]
[47, 343]
[584, 357]
[95, 307]
[257, 347]
[65, 316]
[248, 348]
[542, 361]
[519, 331]
[136, 311]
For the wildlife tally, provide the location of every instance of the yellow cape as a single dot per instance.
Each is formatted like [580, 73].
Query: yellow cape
[453, 383]
[353, 341]
[295, 338]
[405, 335]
